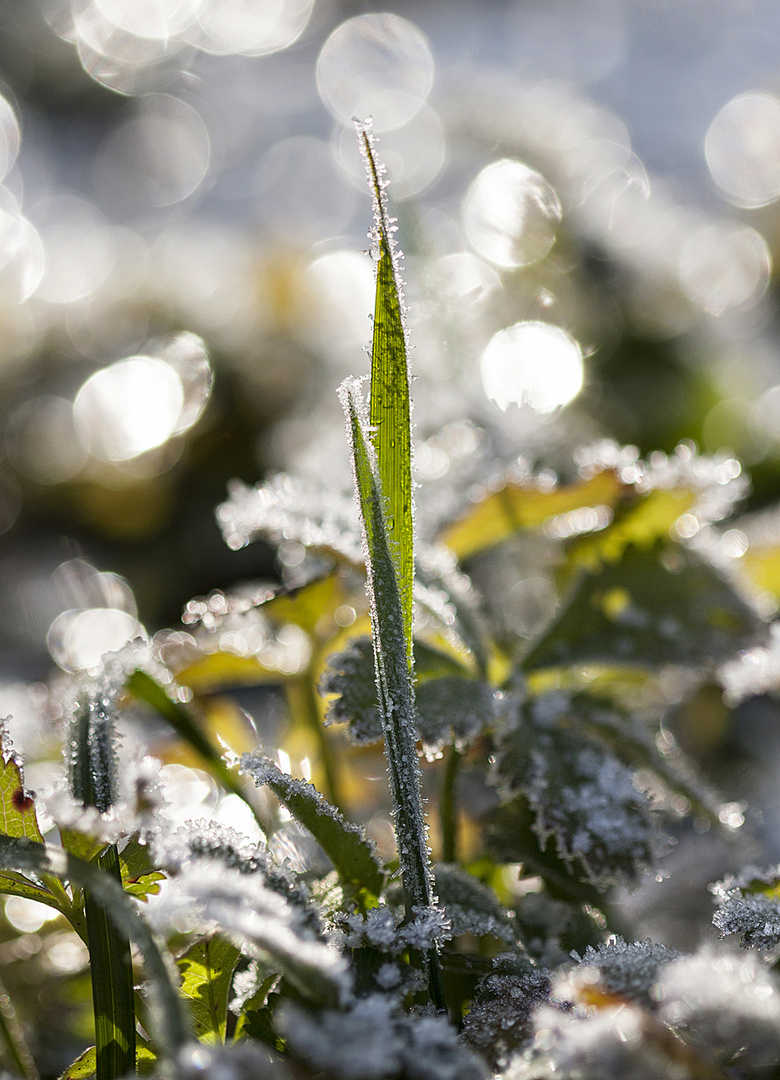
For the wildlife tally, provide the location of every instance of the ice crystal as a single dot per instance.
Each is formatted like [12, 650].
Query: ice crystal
[627, 969]
[726, 1003]
[499, 1019]
[221, 845]
[373, 1041]
[749, 905]
[551, 929]
[286, 508]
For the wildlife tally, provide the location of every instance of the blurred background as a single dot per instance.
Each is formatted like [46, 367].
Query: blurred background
[183, 281]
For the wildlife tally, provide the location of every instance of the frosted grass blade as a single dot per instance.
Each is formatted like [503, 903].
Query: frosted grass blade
[393, 675]
[345, 844]
[390, 398]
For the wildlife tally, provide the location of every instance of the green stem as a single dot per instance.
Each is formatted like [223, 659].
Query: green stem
[13, 1037]
[448, 814]
[303, 702]
[112, 983]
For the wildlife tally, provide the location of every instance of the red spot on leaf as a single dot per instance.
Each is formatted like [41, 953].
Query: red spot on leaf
[21, 801]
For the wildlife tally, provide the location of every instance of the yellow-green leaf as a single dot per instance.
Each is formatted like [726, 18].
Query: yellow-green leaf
[207, 971]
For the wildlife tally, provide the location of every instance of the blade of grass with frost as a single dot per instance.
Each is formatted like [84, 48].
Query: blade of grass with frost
[390, 398]
[393, 674]
[345, 844]
[93, 769]
[167, 1012]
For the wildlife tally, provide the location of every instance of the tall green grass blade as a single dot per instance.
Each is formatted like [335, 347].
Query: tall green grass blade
[393, 675]
[111, 968]
[390, 398]
[167, 1013]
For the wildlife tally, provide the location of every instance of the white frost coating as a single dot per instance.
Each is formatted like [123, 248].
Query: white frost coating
[724, 1001]
[209, 895]
[374, 1041]
[753, 672]
[717, 481]
[628, 969]
[286, 508]
[748, 906]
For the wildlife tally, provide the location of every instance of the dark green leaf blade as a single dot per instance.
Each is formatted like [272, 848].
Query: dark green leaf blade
[345, 844]
[655, 606]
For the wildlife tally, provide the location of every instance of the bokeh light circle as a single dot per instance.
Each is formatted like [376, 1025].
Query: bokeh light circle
[510, 214]
[532, 363]
[743, 149]
[129, 407]
[378, 65]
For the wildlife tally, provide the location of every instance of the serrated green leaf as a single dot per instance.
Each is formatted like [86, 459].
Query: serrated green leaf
[653, 607]
[345, 844]
[471, 906]
[80, 844]
[578, 792]
[207, 971]
[449, 707]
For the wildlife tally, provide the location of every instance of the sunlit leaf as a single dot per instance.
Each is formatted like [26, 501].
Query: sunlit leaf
[345, 844]
[207, 971]
[85, 1065]
[523, 506]
[389, 398]
[139, 876]
[168, 1019]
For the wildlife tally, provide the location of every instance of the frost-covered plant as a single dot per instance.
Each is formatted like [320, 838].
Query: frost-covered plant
[482, 935]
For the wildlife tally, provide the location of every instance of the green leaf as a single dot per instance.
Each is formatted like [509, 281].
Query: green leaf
[139, 875]
[389, 397]
[345, 844]
[207, 971]
[111, 970]
[524, 506]
[449, 706]
[655, 606]
[85, 1065]
[168, 1018]
[471, 906]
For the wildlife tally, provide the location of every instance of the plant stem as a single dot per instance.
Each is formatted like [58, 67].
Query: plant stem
[112, 983]
[303, 701]
[448, 814]
[111, 964]
[13, 1038]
